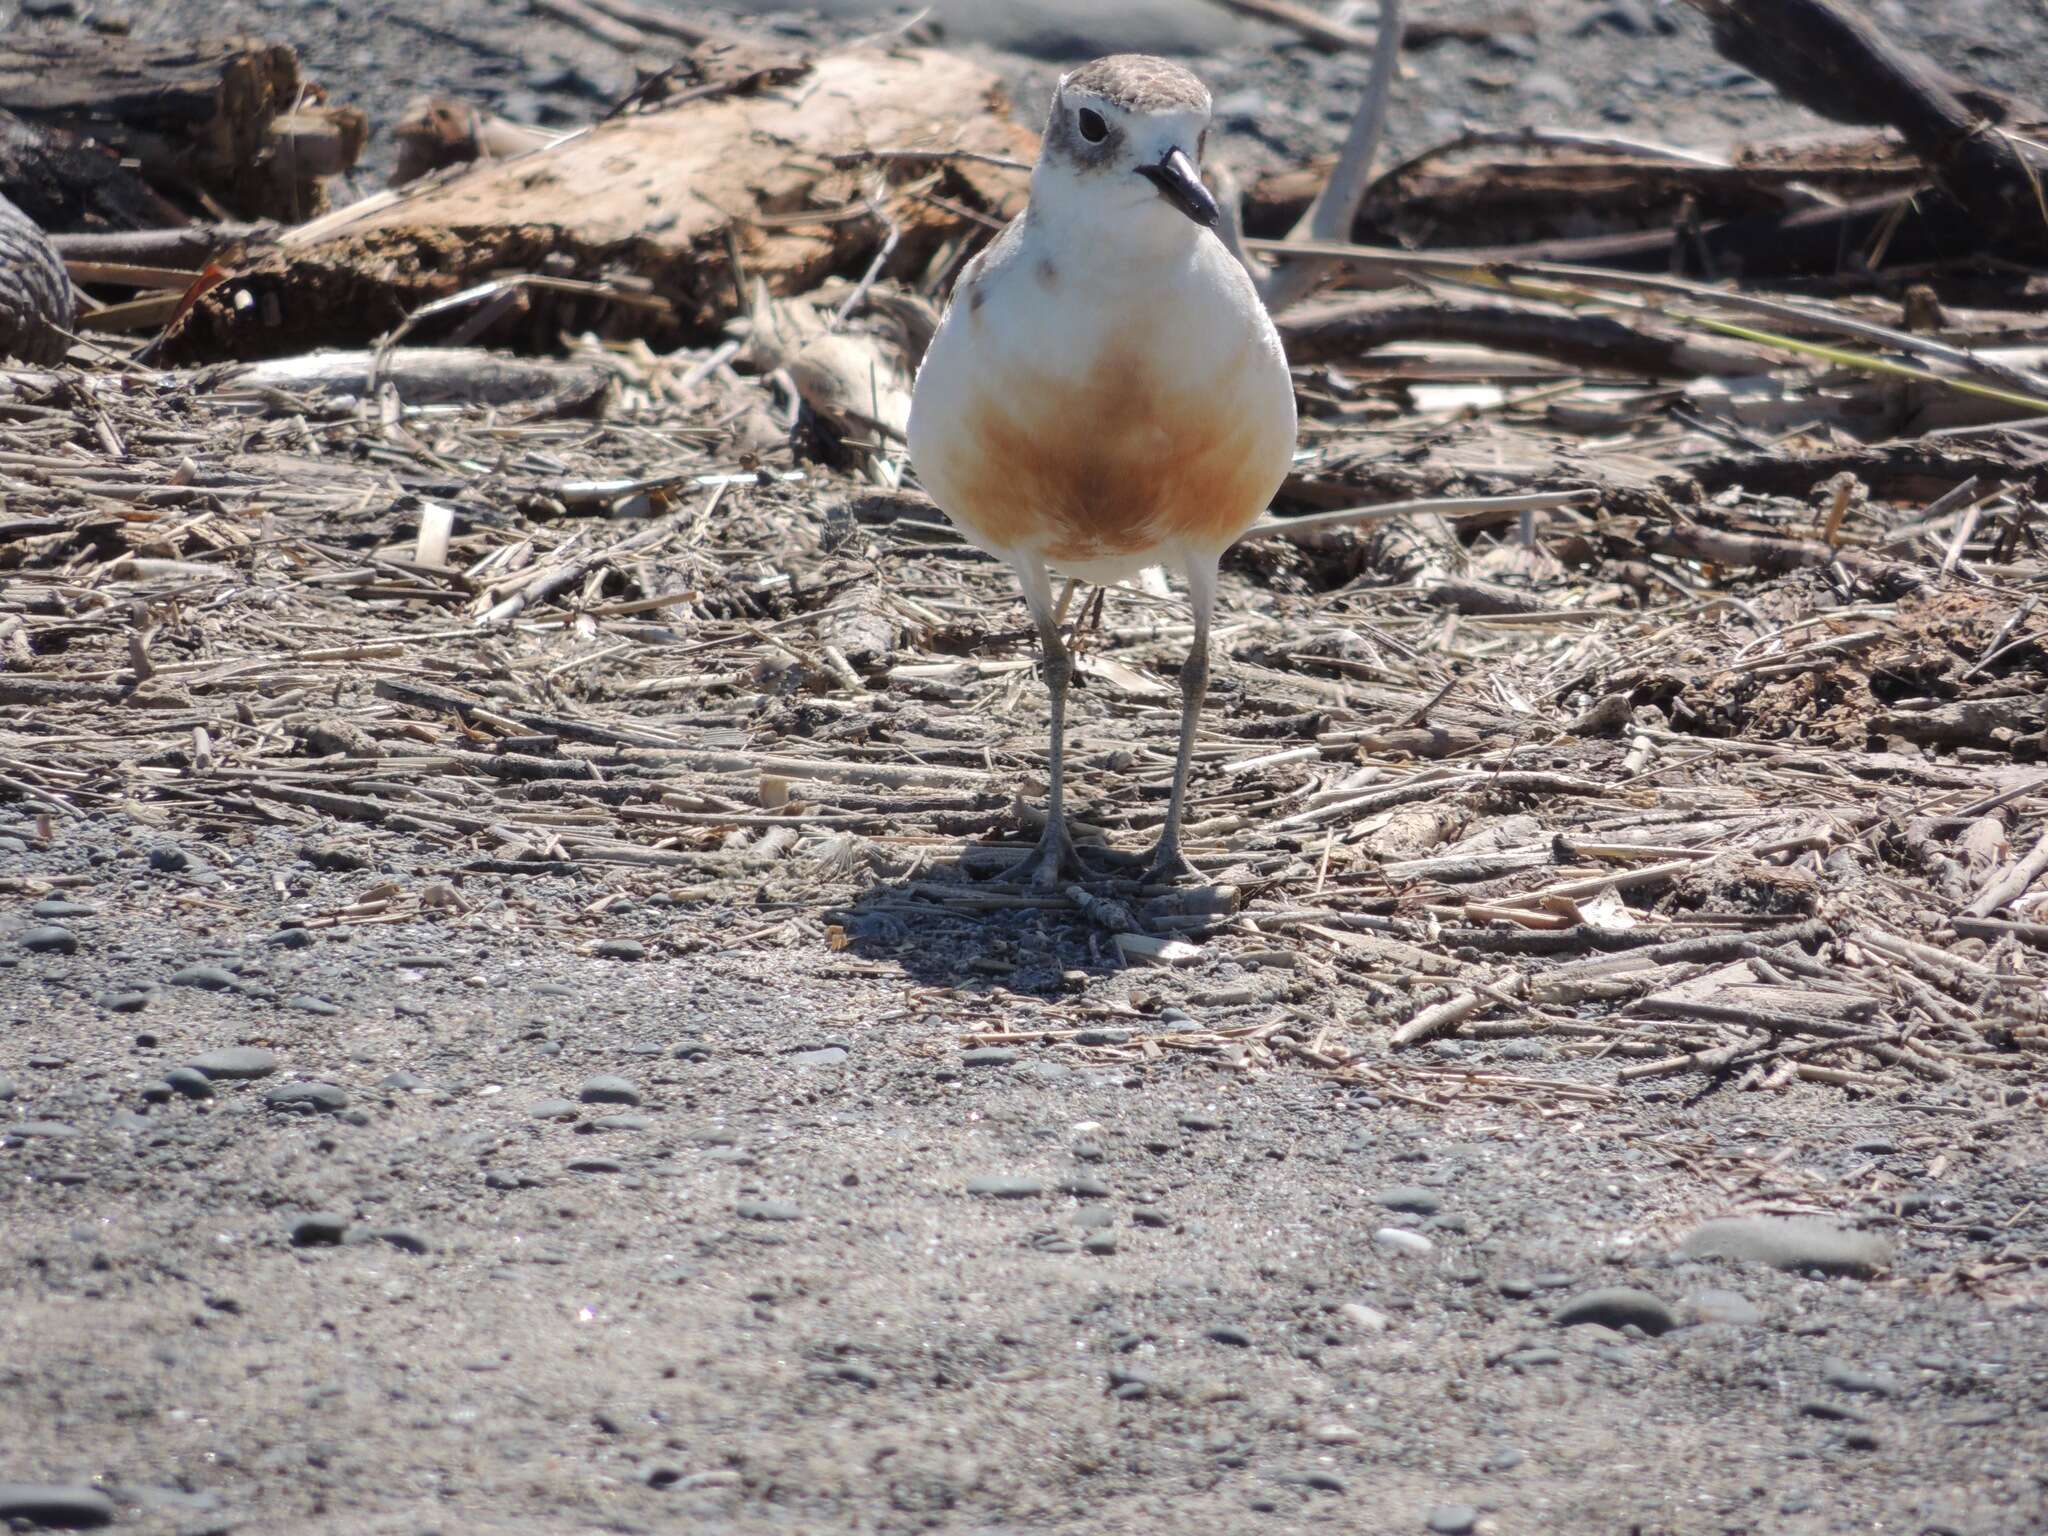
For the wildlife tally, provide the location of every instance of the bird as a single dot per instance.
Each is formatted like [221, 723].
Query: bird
[1105, 391]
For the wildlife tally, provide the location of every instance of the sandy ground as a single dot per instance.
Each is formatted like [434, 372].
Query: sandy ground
[500, 1234]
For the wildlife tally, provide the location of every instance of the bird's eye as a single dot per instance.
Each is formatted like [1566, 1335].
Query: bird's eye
[1093, 128]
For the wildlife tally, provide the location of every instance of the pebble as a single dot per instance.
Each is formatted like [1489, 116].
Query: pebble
[1101, 1244]
[210, 978]
[1083, 1187]
[1006, 1186]
[1502, 1461]
[400, 1082]
[1236, 1338]
[170, 859]
[822, 1056]
[1731, 1307]
[305, 1002]
[1193, 1122]
[1616, 1306]
[40, 1130]
[323, 1229]
[405, 1240]
[189, 1081]
[615, 1123]
[553, 1109]
[768, 1210]
[1360, 1316]
[66, 1506]
[594, 1165]
[307, 1098]
[1789, 1242]
[1452, 1519]
[1819, 1408]
[621, 949]
[125, 1002]
[52, 909]
[6, 1088]
[498, 1178]
[1399, 1241]
[693, 1050]
[1844, 1377]
[609, 1090]
[1409, 1197]
[50, 940]
[237, 1061]
[988, 1056]
[290, 938]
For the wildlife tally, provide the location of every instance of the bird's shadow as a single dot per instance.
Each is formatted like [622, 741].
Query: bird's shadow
[961, 923]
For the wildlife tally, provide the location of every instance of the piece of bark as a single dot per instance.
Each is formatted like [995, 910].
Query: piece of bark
[428, 376]
[232, 120]
[64, 184]
[666, 197]
[1340, 330]
[37, 304]
[189, 246]
[1824, 56]
[436, 132]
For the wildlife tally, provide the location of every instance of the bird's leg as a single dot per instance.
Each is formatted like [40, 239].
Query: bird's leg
[1054, 859]
[1168, 865]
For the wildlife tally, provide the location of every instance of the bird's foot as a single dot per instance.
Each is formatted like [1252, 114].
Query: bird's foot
[1169, 866]
[1054, 861]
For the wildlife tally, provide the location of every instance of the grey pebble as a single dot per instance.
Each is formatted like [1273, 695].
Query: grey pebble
[553, 1109]
[170, 859]
[609, 1090]
[1452, 1519]
[768, 1210]
[55, 909]
[1789, 1242]
[1844, 1377]
[125, 1002]
[823, 1056]
[1505, 1460]
[1083, 1187]
[63, 1506]
[306, 1002]
[189, 1081]
[208, 978]
[307, 1098]
[39, 1130]
[1730, 1307]
[988, 1056]
[323, 1229]
[1006, 1186]
[1101, 1244]
[290, 938]
[1616, 1306]
[595, 1165]
[237, 1061]
[1819, 1408]
[6, 1088]
[1200, 1122]
[616, 1123]
[1236, 1338]
[693, 1050]
[405, 1240]
[621, 949]
[50, 939]
[400, 1082]
[1409, 1197]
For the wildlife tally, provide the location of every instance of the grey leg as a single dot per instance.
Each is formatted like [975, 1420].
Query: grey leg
[1054, 859]
[1167, 863]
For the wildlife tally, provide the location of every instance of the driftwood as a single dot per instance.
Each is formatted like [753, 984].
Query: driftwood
[36, 300]
[438, 132]
[426, 376]
[1825, 57]
[64, 184]
[691, 200]
[230, 120]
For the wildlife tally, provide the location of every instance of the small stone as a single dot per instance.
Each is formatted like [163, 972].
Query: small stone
[189, 1081]
[615, 1123]
[1101, 1244]
[595, 1165]
[553, 1109]
[58, 1506]
[306, 1002]
[609, 1090]
[237, 1061]
[307, 1098]
[1198, 1122]
[988, 1056]
[400, 1082]
[768, 1210]
[1502, 1461]
[405, 1240]
[1399, 1240]
[621, 949]
[1452, 1519]
[1844, 1377]
[1236, 1338]
[1006, 1186]
[1365, 1319]
[6, 1088]
[1409, 1197]
[503, 1179]
[54, 909]
[1082, 1187]
[208, 978]
[170, 859]
[1103, 1037]
[822, 1056]
[39, 1130]
[320, 1230]
[1819, 1408]
[125, 1002]
[290, 938]
[1861, 1439]
[1789, 1242]
[693, 1050]
[50, 940]
[1731, 1307]
[1616, 1306]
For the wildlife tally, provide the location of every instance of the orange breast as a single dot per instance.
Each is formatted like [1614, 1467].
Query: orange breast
[1118, 462]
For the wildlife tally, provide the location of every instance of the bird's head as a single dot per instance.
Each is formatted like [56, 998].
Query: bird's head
[1123, 146]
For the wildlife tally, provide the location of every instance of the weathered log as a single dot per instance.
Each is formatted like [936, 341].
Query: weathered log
[37, 303]
[1826, 57]
[232, 119]
[684, 198]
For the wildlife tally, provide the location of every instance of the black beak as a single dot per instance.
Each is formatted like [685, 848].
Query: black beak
[1177, 182]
